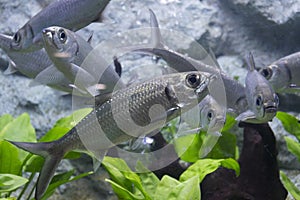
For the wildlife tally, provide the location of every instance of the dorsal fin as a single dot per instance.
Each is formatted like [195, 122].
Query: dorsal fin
[250, 62]
[156, 39]
[213, 57]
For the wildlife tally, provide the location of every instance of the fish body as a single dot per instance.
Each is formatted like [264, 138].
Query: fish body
[235, 92]
[71, 14]
[31, 64]
[68, 51]
[284, 74]
[262, 100]
[130, 113]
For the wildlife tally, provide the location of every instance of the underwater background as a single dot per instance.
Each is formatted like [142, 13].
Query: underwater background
[270, 29]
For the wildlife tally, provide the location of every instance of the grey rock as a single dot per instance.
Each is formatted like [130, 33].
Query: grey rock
[232, 65]
[44, 105]
[285, 158]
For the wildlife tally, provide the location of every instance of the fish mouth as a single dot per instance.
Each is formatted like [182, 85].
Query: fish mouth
[218, 126]
[270, 109]
[48, 35]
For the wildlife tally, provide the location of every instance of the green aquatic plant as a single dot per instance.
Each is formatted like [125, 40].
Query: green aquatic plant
[146, 186]
[291, 125]
[14, 163]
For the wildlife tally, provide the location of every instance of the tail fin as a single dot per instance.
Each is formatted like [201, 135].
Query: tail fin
[52, 159]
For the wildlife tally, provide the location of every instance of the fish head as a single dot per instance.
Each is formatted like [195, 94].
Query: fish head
[212, 115]
[60, 43]
[23, 40]
[190, 88]
[277, 75]
[264, 101]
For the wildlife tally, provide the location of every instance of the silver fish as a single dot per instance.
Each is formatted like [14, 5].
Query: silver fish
[262, 100]
[235, 92]
[30, 64]
[131, 112]
[284, 74]
[68, 51]
[71, 14]
[212, 119]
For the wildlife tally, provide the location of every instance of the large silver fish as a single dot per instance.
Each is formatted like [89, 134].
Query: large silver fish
[31, 63]
[68, 51]
[235, 92]
[284, 74]
[71, 14]
[262, 100]
[131, 112]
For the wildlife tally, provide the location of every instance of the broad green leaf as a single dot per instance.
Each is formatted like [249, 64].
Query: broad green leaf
[293, 190]
[225, 147]
[206, 166]
[187, 147]
[8, 198]
[53, 134]
[9, 158]
[4, 120]
[293, 146]
[61, 179]
[19, 129]
[231, 164]
[148, 178]
[115, 167]
[171, 189]
[166, 184]
[10, 182]
[290, 123]
[230, 122]
[122, 175]
[136, 181]
[34, 164]
[123, 193]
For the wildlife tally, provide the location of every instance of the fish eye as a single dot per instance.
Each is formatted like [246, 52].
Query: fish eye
[62, 35]
[193, 80]
[17, 37]
[259, 100]
[267, 73]
[210, 115]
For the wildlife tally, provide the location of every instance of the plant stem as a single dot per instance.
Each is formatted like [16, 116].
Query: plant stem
[30, 194]
[26, 186]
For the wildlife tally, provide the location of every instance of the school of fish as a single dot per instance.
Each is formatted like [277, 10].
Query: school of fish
[48, 50]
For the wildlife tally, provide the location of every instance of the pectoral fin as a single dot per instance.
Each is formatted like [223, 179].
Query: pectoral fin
[97, 158]
[247, 115]
[209, 142]
[49, 76]
[11, 68]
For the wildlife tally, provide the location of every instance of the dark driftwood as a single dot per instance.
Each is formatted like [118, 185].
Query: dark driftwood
[259, 178]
